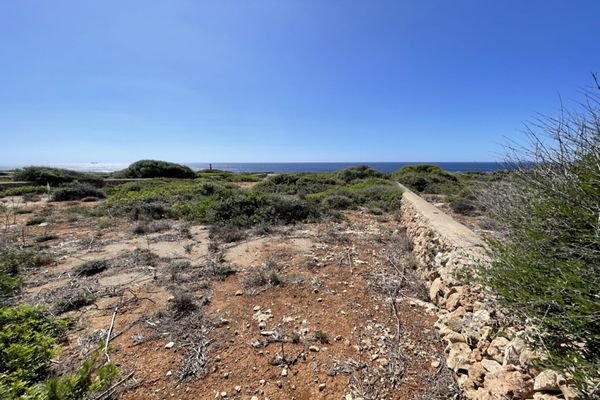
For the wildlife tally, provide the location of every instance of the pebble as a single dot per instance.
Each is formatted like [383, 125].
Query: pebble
[435, 364]
[322, 387]
[256, 308]
[284, 372]
[169, 345]
[262, 382]
[239, 293]
[314, 348]
[238, 388]
[320, 300]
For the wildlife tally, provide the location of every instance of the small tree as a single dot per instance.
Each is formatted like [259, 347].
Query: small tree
[547, 268]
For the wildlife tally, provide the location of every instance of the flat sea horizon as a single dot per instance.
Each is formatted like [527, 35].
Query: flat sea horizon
[281, 167]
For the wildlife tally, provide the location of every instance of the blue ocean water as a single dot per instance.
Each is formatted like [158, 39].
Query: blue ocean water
[328, 167]
[292, 167]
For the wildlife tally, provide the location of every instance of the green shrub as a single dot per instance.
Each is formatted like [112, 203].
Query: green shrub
[90, 378]
[297, 183]
[427, 178]
[91, 267]
[547, 270]
[338, 202]
[360, 172]
[28, 337]
[76, 191]
[386, 193]
[155, 169]
[464, 206]
[53, 176]
[23, 190]
[12, 261]
[248, 209]
[227, 176]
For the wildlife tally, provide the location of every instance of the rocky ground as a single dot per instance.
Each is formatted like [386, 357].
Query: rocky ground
[326, 310]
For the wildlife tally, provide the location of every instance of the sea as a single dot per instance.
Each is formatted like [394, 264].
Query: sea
[290, 167]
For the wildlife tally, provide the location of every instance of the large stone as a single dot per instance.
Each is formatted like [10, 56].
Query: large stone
[437, 290]
[459, 356]
[508, 383]
[476, 374]
[491, 365]
[513, 350]
[454, 320]
[453, 301]
[497, 347]
[546, 381]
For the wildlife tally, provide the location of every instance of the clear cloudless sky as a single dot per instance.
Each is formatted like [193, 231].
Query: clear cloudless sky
[285, 80]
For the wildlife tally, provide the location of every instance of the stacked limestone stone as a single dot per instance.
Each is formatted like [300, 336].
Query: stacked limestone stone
[488, 365]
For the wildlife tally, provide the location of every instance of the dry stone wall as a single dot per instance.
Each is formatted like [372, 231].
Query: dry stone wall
[491, 360]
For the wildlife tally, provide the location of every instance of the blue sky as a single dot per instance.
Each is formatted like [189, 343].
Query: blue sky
[284, 80]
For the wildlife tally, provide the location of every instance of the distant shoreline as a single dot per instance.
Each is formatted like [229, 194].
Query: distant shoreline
[288, 167]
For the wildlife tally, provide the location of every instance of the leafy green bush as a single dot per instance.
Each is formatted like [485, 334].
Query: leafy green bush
[53, 176]
[11, 263]
[386, 193]
[22, 190]
[297, 183]
[160, 198]
[155, 169]
[247, 209]
[90, 378]
[547, 270]
[218, 175]
[27, 342]
[427, 178]
[360, 172]
[76, 191]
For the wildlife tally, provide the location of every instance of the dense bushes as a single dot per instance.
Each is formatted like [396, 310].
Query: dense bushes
[248, 209]
[360, 172]
[27, 342]
[12, 261]
[548, 270]
[386, 194]
[297, 183]
[155, 169]
[427, 178]
[76, 191]
[228, 176]
[52, 176]
[23, 190]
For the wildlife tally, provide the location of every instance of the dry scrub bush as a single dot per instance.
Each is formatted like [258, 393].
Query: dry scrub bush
[547, 268]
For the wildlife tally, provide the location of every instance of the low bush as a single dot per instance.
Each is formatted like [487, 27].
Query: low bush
[45, 237]
[91, 267]
[76, 191]
[28, 340]
[464, 206]
[247, 209]
[53, 176]
[35, 221]
[12, 261]
[228, 176]
[386, 193]
[155, 169]
[427, 178]
[23, 190]
[297, 183]
[73, 301]
[227, 234]
[143, 227]
[354, 174]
